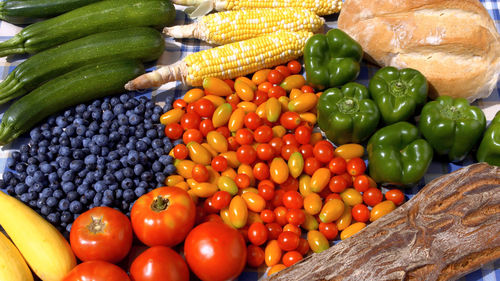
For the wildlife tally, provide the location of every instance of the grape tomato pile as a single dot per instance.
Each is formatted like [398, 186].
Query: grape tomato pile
[251, 159]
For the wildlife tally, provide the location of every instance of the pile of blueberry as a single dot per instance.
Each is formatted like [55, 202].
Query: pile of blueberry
[106, 153]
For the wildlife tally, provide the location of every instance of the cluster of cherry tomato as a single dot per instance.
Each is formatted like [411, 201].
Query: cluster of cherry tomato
[252, 160]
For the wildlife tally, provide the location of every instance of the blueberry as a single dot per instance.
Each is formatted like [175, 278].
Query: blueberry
[108, 197]
[138, 169]
[96, 115]
[58, 194]
[90, 160]
[95, 149]
[40, 202]
[133, 157]
[139, 191]
[90, 193]
[122, 119]
[37, 187]
[84, 200]
[159, 152]
[118, 109]
[97, 199]
[78, 154]
[148, 124]
[118, 193]
[113, 155]
[176, 142]
[160, 178]
[82, 188]
[134, 119]
[57, 131]
[170, 169]
[20, 167]
[63, 204]
[147, 176]
[157, 143]
[64, 141]
[20, 188]
[51, 202]
[54, 218]
[128, 195]
[151, 133]
[99, 186]
[166, 107]
[36, 134]
[76, 142]
[24, 197]
[104, 151]
[13, 182]
[32, 204]
[64, 151]
[24, 157]
[124, 98]
[86, 115]
[123, 130]
[32, 195]
[114, 101]
[114, 136]
[46, 134]
[46, 168]
[89, 134]
[114, 165]
[155, 117]
[127, 183]
[150, 104]
[70, 130]
[53, 177]
[38, 176]
[75, 207]
[68, 186]
[10, 190]
[119, 175]
[66, 216]
[108, 179]
[68, 176]
[157, 166]
[72, 195]
[96, 104]
[128, 172]
[11, 163]
[129, 105]
[113, 186]
[83, 173]
[2, 184]
[76, 165]
[45, 210]
[165, 159]
[151, 154]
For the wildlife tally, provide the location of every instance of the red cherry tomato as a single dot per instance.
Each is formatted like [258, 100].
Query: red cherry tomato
[244, 136]
[255, 256]
[173, 131]
[280, 213]
[246, 154]
[219, 163]
[163, 216]
[206, 126]
[252, 121]
[215, 251]
[291, 184]
[307, 89]
[290, 139]
[356, 166]
[224, 131]
[232, 99]
[257, 233]
[283, 70]
[311, 165]
[287, 151]
[291, 258]
[275, 77]
[348, 178]
[372, 196]
[190, 108]
[278, 198]
[230, 83]
[221, 199]
[306, 150]
[323, 151]
[204, 108]
[179, 103]
[288, 241]
[180, 151]
[276, 92]
[242, 180]
[303, 247]
[337, 165]
[274, 230]
[294, 66]
[361, 183]
[260, 97]
[96, 271]
[293, 200]
[329, 230]
[192, 135]
[265, 151]
[263, 134]
[233, 144]
[295, 217]
[101, 233]
[303, 134]
[190, 120]
[264, 87]
[396, 196]
[267, 216]
[159, 263]
[290, 120]
[276, 143]
[338, 184]
[209, 207]
[261, 171]
[360, 213]
[200, 173]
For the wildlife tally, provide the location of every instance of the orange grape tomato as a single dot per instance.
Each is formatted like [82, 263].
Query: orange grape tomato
[226, 183]
[351, 230]
[312, 204]
[317, 241]
[305, 185]
[244, 90]
[238, 212]
[351, 196]
[172, 116]
[254, 201]
[279, 170]
[272, 253]
[396, 196]
[260, 76]
[296, 164]
[216, 86]
[293, 82]
[293, 228]
[320, 179]
[382, 209]
[345, 219]
[217, 141]
[350, 151]
[275, 269]
[331, 211]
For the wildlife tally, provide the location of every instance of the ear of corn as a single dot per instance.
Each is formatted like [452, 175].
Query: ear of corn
[228, 61]
[233, 26]
[320, 7]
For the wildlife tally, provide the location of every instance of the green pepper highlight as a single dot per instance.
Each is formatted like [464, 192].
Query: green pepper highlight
[398, 155]
[398, 93]
[452, 126]
[489, 148]
[332, 59]
[347, 115]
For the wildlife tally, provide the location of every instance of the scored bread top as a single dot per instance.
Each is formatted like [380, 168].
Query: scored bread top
[454, 43]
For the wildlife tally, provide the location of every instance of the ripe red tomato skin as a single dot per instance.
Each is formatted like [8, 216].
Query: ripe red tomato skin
[257, 233]
[159, 263]
[96, 271]
[111, 244]
[210, 245]
[372, 196]
[360, 213]
[396, 196]
[323, 151]
[255, 256]
[356, 166]
[288, 241]
[168, 227]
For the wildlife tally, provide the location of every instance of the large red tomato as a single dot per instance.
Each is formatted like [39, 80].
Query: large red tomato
[215, 251]
[96, 271]
[101, 233]
[159, 263]
[163, 217]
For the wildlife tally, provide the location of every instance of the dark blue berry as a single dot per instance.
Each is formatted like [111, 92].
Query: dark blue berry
[75, 207]
[51, 202]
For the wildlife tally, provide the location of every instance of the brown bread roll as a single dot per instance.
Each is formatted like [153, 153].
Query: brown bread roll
[450, 228]
[454, 43]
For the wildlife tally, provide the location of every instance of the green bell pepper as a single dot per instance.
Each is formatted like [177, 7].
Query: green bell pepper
[347, 115]
[398, 93]
[489, 149]
[397, 154]
[452, 126]
[331, 59]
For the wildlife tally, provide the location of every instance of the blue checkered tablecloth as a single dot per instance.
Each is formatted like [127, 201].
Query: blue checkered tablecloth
[178, 49]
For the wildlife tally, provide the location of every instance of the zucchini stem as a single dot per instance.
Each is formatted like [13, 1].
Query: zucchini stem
[11, 92]
[13, 46]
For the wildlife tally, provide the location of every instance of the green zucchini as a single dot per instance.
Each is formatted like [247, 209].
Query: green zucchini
[142, 43]
[93, 18]
[81, 85]
[29, 11]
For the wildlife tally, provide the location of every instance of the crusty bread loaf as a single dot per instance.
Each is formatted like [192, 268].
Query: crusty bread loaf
[450, 228]
[454, 43]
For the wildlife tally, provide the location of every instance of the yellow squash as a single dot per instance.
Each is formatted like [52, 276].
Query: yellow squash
[12, 264]
[43, 247]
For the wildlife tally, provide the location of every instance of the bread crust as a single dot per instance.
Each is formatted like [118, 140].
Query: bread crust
[454, 43]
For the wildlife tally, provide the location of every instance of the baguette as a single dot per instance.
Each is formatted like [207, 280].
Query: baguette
[450, 228]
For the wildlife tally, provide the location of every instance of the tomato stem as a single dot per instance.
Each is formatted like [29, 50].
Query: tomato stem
[160, 204]
[97, 225]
